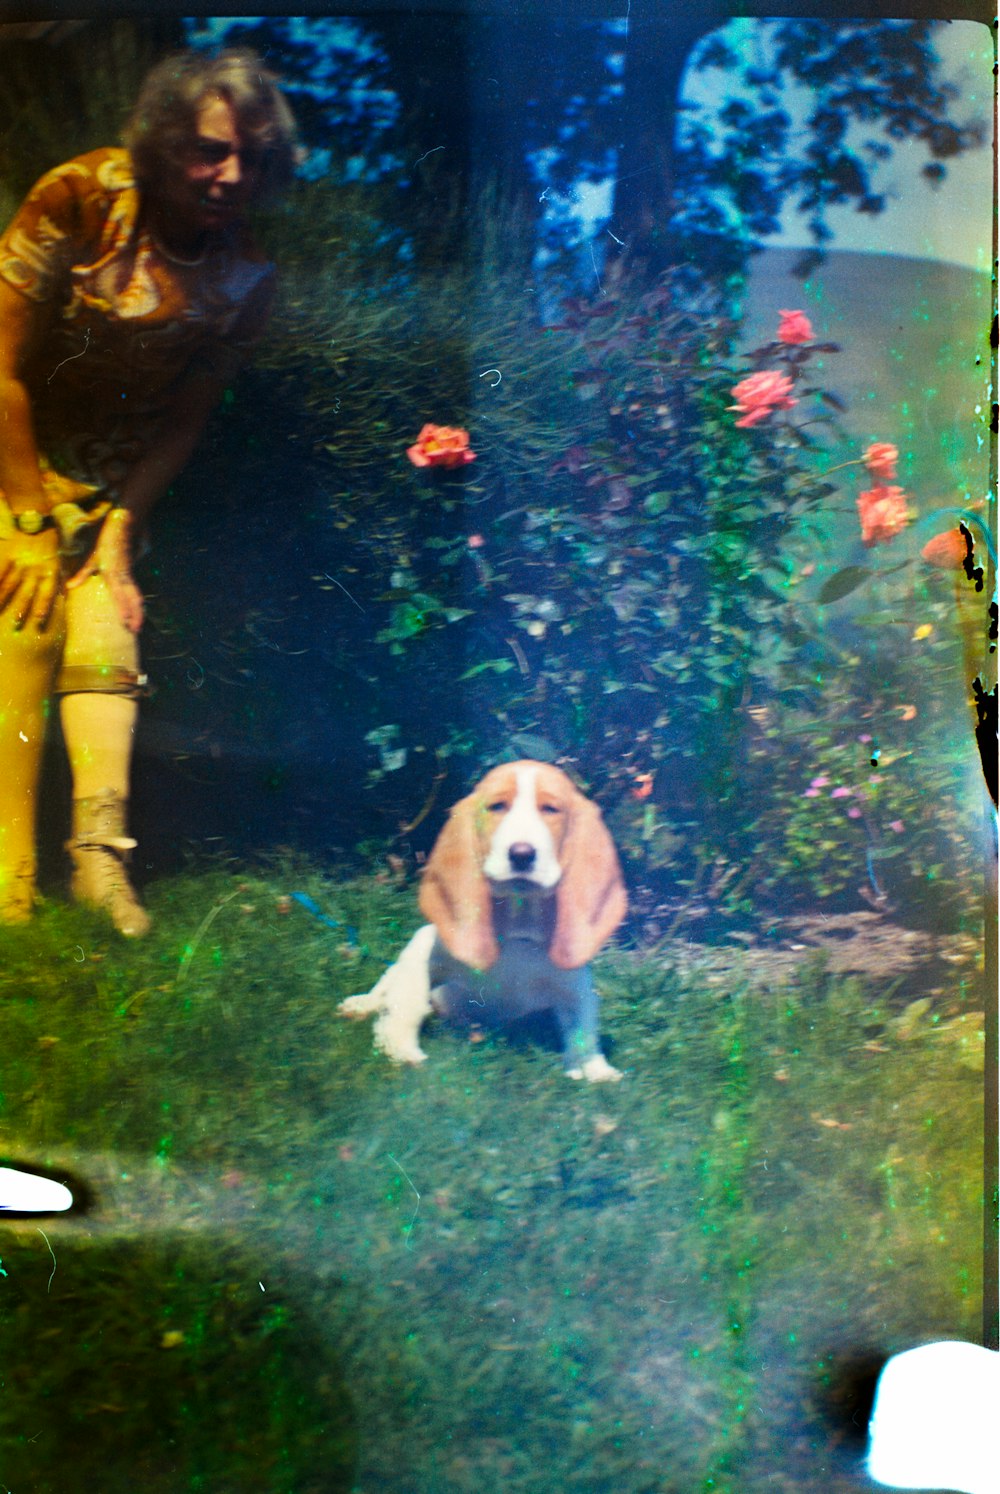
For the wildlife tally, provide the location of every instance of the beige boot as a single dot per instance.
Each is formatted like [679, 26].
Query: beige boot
[100, 850]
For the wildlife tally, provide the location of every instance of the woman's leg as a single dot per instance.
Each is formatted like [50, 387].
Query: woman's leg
[28, 662]
[99, 685]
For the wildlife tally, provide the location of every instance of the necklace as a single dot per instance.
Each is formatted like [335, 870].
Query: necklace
[175, 259]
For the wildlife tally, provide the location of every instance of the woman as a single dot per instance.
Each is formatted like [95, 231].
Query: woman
[130, 295]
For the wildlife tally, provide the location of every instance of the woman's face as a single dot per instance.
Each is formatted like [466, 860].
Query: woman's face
[217, 177]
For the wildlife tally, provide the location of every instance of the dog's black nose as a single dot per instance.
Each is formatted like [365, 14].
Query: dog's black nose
[521, 856]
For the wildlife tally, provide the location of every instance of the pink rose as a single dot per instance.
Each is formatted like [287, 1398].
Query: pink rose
[882, 511]
[761, 393]
[881, 459]
[794, 327]
[441, 446]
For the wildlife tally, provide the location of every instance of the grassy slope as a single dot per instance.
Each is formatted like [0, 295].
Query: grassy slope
[303, 1266]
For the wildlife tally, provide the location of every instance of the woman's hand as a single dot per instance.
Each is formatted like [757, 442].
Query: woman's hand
[30, 568]
[30, 576]
[58, 488]
[112, 557]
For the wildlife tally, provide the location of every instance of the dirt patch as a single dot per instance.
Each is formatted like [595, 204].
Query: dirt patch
[865, 944]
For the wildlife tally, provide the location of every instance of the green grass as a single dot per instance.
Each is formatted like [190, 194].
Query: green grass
[305, 1269]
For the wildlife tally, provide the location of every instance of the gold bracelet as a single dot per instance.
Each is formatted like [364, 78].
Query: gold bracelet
[30, 521]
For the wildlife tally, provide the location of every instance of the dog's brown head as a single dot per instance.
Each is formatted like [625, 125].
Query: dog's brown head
[526, 828]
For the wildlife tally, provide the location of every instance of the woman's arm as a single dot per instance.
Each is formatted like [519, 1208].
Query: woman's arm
[21, 322]
[192, 402]
[145, 484]
[29, 562]
[183, 427]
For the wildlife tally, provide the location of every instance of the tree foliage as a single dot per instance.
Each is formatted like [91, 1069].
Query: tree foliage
[808, 113]
[803, 113]
[337, 78]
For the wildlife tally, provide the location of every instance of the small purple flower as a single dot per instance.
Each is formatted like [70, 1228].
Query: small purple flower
[810, 793]
[820, 782]
[896, 826]
[854, 813]
[841, 793]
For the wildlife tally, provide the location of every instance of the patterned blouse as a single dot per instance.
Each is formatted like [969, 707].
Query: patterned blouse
[128, 320]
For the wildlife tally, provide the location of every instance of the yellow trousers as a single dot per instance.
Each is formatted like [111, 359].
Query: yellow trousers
[84, 640]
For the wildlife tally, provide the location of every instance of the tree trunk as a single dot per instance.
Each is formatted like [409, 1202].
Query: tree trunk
[658, 47]
[68, 87]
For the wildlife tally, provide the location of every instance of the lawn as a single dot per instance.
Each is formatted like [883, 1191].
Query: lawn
[300, 1268]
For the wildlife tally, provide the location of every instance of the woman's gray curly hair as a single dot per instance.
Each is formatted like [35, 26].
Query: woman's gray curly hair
[162, 125]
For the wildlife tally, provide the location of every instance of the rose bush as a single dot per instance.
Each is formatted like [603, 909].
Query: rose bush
[635, 578]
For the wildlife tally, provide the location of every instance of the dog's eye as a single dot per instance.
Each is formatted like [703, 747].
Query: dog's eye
[550, 809]
[499, 806]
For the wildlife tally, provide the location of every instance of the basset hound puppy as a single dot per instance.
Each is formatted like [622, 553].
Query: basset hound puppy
[522, 888]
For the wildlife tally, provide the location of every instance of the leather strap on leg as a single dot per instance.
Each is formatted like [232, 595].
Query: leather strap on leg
[100, 679]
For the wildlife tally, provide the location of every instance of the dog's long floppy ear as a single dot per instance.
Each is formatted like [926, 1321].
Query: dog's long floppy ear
[454, 894]
[590, 898]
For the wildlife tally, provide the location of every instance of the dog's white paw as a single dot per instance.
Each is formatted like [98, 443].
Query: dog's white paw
[412, 1056]
[359, 1006]
[400, 1055]
[398, 1040]
[596, 1070]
